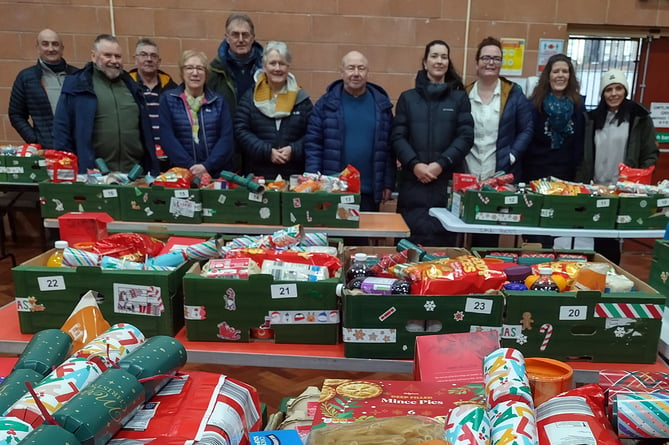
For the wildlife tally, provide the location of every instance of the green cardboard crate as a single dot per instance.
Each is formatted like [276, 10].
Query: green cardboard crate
[643, 212]
[59, 198]
[221, 309]
[320, 209]
[3, 169]
[617, 327]
[658, 276]
[579, 212]
[492, 207]
[529, 256]
[25, 169]
[161, 204]
[241, 206]
[150, 300]
[375, 326]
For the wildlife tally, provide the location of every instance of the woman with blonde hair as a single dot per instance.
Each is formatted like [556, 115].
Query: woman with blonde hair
[195, 123]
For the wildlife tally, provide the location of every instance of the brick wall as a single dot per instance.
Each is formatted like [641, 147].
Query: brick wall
[392, 33]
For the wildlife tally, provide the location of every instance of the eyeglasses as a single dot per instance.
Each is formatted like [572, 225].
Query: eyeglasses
[192, 69]
[143, 55]
[487, 59]
[239, 35]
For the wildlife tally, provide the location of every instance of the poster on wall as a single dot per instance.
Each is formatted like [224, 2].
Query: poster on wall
[513, 52]
[548, 48]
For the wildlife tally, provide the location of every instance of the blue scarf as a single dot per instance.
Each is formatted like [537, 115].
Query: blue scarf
[558, 123]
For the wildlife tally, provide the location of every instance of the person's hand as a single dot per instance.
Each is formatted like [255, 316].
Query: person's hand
[423, 173]
[435, 169]
[386, 194]
[287, 152]
[198, 170]
[279, 156]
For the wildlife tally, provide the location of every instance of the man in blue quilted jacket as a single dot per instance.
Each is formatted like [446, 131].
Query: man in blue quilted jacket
[350, 124]
[36, 90]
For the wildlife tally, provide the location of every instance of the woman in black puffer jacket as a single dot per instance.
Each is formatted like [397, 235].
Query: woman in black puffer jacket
[433, 131]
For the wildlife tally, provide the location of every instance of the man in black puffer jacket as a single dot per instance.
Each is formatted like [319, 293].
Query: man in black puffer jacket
[36, 91]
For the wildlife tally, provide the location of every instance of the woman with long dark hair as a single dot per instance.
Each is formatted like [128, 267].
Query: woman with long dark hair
[432, 132]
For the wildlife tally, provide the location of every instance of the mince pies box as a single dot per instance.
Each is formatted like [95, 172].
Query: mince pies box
[453, 357]
[160, 204]
[150, 300]
[58, 198]
[619, 327]
[320, 209]
[579, 212]
[493, 207]
[241, 206]
[241, 310]
[642, 212]
[387, 326]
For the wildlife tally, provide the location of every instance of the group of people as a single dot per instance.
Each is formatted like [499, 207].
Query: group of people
[245, 111]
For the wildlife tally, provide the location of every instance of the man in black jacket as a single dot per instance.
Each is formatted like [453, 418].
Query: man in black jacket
[36, 91]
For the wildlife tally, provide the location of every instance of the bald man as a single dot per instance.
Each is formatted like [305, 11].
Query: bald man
[350, 124]
[36, 90]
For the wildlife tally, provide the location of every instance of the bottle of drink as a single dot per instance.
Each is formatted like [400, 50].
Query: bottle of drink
[384, 286]
[359, 267]
[56, 258]
[545, 282]
[516, 276]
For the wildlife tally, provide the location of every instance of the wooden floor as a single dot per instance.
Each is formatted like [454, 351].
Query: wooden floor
[273, 384]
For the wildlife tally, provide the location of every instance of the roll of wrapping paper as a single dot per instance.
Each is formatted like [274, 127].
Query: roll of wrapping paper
[46, 350]
[468, 423]
[244, 181]
[159, 355]
[315, 239]
[202, 251]
[98, 412]
[14, 386]
[641, 415]
[50, 435]
[13, 430]
[505, 378]
[112, 345]
[61, 385]
[77, 257]
[513, 423]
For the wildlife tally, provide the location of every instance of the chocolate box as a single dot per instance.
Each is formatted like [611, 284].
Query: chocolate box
[58, 198]
[579, 212]
[620, 327]
[320, 209]
[160, 204]
[492, 207]
[377, 326]
[241, 310]
[643, 212]
[150, 300]
[240, 206]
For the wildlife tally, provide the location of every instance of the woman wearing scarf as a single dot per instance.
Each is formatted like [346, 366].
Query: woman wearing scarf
[195, 124]
[432, 133]
[559, 119]
[271, 119]
[618, 131]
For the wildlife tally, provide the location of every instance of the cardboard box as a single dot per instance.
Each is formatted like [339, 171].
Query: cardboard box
[25, 169]
[160, 204]
[78, 227]
[228, 309]
[58, 198]
[320, 209]
[433, 351]
[642, 212]
[620, 327]
[345, 401]
[150, 300]
[376, 326]
[491, 207]
[240, 206]
[658, 276]
[579, 212]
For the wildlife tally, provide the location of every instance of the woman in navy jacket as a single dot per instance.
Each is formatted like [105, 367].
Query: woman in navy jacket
[432, 133]
[195, 124]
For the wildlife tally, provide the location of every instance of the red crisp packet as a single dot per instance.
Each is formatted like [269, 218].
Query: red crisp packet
[352, 177]
[61, 166]
[176, 177]
[638, 175]
[288, 256]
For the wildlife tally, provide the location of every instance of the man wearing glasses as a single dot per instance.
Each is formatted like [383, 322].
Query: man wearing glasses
[102, 113]
[152, 81]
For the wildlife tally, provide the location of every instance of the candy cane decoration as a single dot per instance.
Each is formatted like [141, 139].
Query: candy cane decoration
[547, 329]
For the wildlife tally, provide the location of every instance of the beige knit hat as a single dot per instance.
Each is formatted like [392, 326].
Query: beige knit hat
[613, 76]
